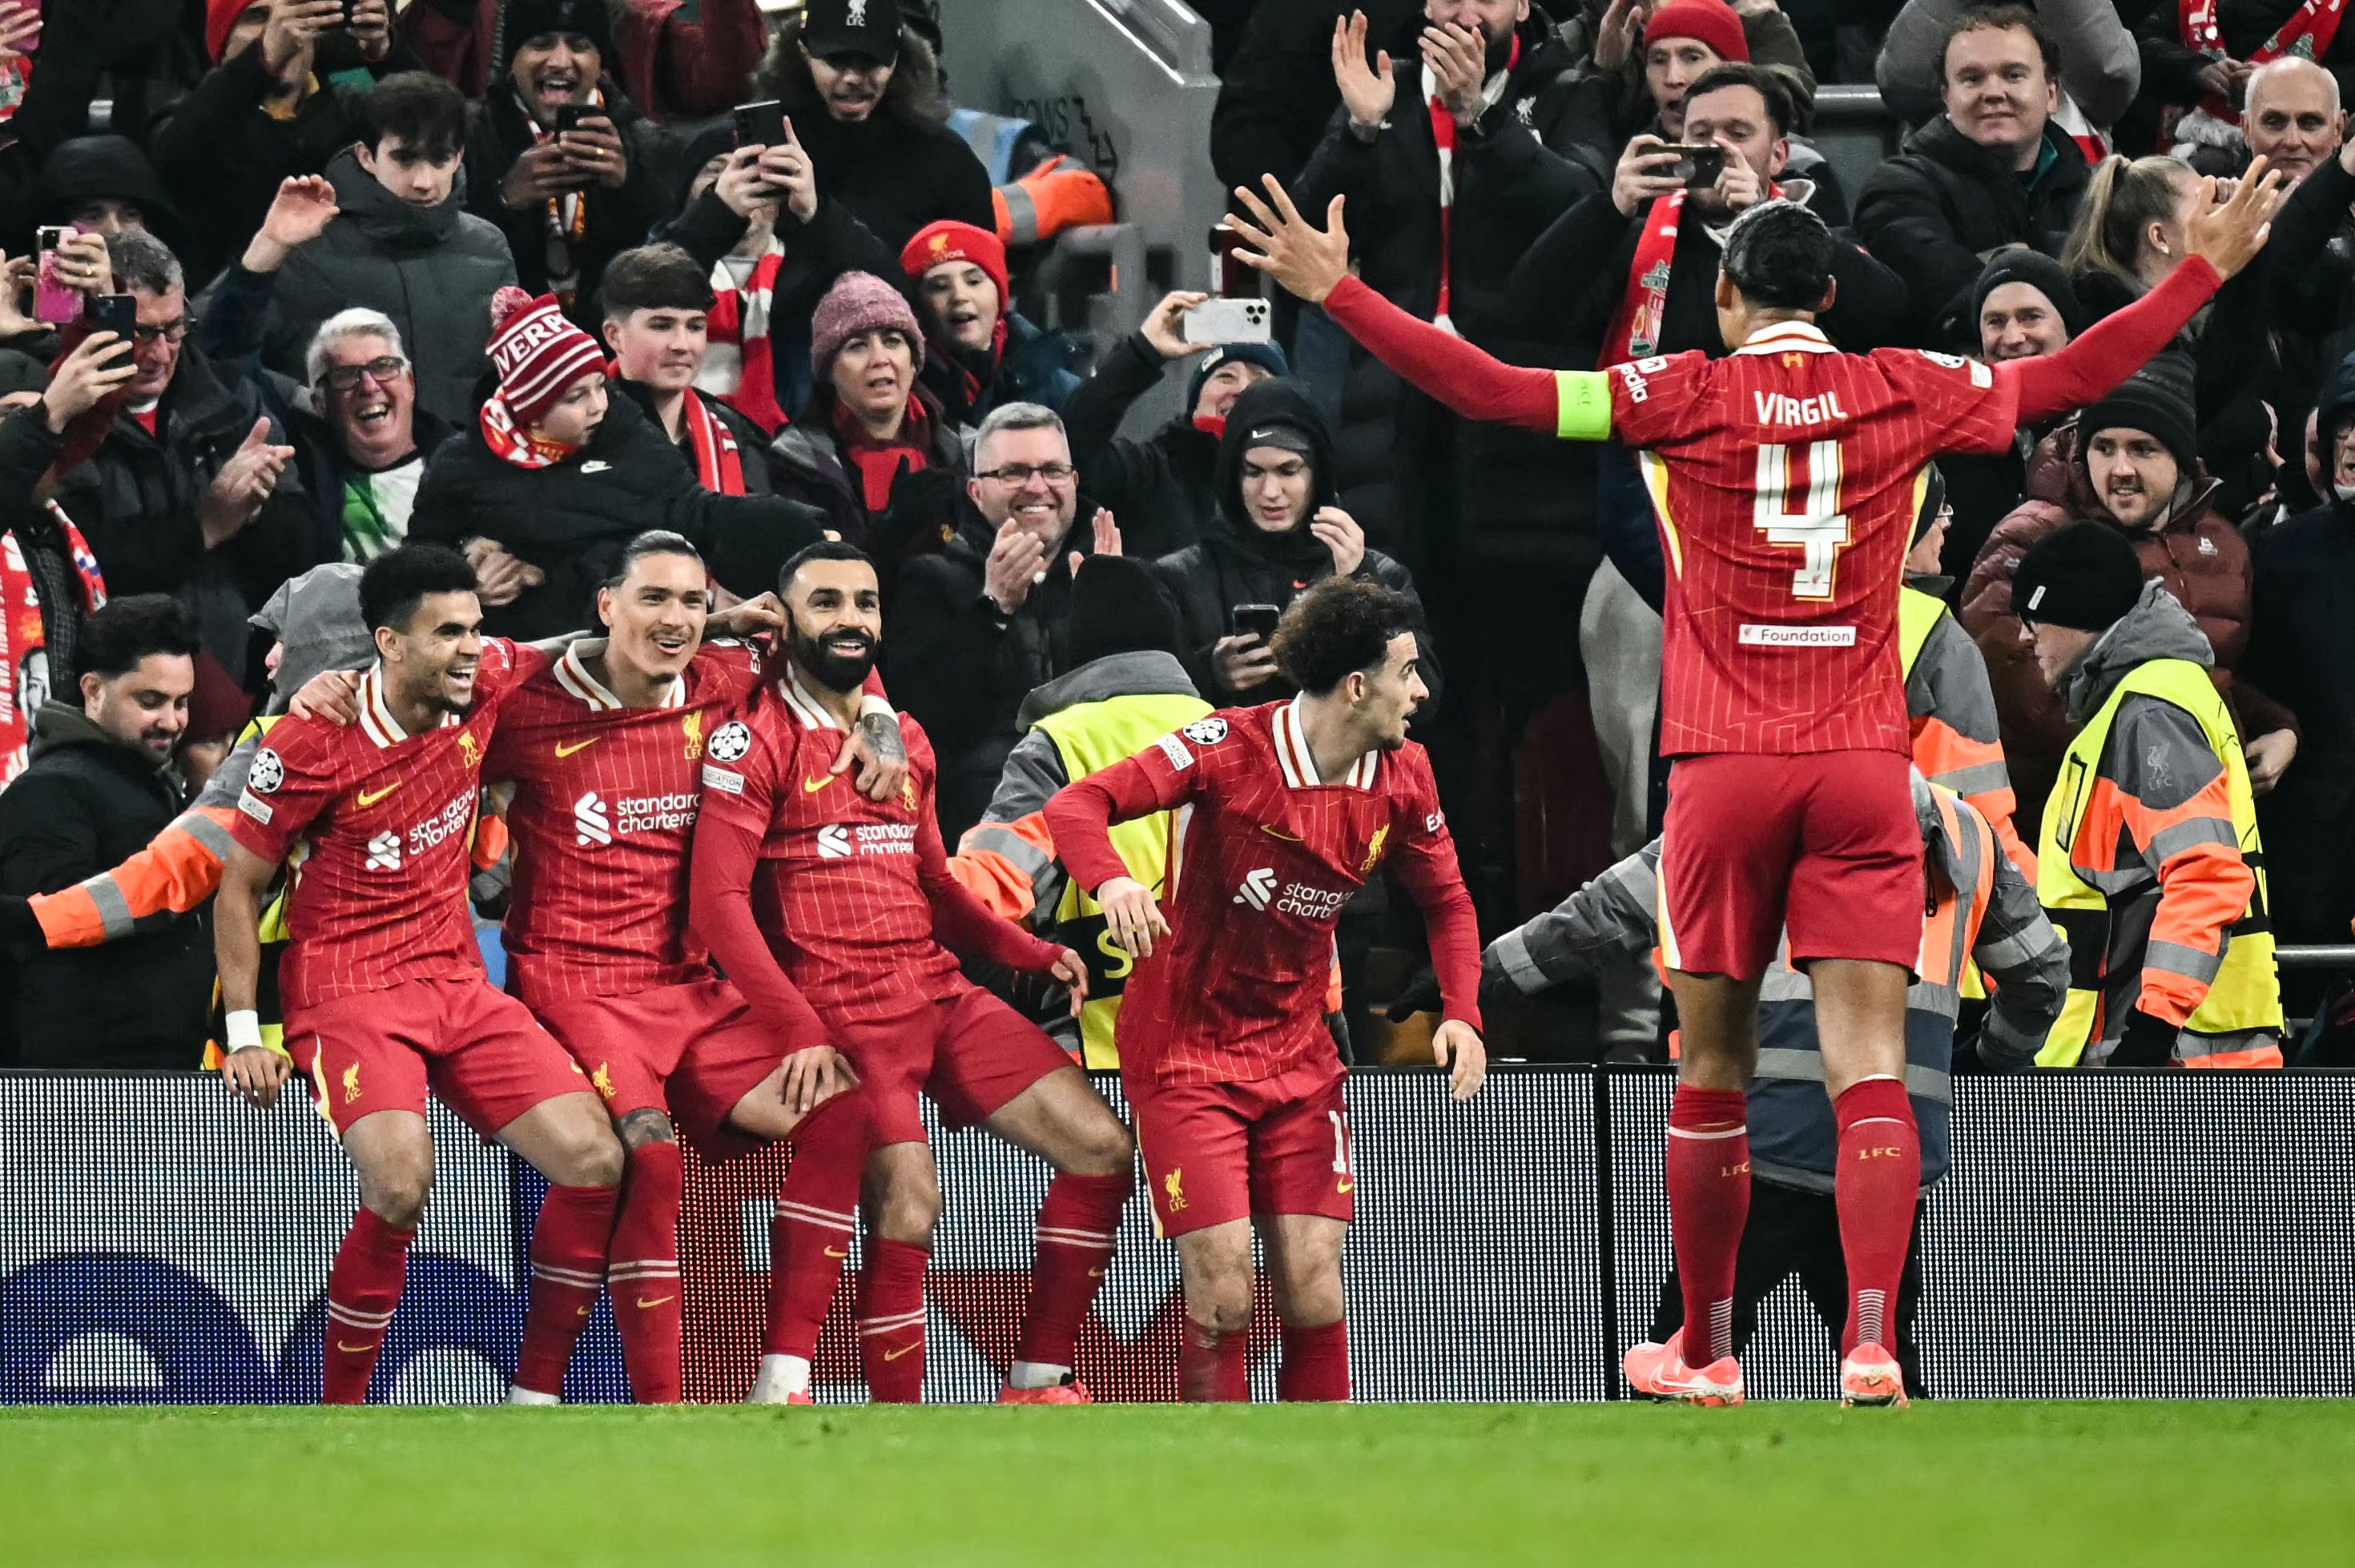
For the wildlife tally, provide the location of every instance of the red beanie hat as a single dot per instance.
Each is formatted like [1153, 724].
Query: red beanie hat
[1710, 22]
[949, 240]
[220, 15]
[537, 352]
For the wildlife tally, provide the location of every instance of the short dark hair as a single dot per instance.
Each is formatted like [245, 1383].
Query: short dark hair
[426, 112]
[1765, 83]
[653, 542]
[824, 550]
[397, 581]
[1339, 628]
[2005, 18]
[1780, 256]
[655, 277]
[122, 631]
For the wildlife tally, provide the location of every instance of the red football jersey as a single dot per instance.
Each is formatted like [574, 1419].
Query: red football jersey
[1264, 853]
[604, 812]
[1786, 477]
[839, 890]
[379, 895]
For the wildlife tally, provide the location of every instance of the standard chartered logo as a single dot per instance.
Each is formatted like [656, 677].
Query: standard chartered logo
[591, 824]
[1259, 888]
[847, 840]
[1261, 891]
[384, 853]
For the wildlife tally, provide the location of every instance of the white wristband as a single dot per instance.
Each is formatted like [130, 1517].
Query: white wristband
[243, 1029]
[871, 706]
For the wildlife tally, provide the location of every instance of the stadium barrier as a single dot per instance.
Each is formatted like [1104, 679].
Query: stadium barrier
[2102, 1234]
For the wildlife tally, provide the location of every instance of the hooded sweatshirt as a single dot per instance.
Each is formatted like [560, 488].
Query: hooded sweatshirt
[1247, 565]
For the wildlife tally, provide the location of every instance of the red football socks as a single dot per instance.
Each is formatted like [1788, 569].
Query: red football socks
[1076, 1224]
[1879, 1176]
[810, 1236]
[1214, 1368]
[1316, 1363]
[645, 1272]
[363, 1290]
[892, 1320]
[1709, 1203]
[568, 1269]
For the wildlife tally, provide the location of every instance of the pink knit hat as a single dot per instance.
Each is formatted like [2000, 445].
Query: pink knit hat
[858, 301]
[537, 352]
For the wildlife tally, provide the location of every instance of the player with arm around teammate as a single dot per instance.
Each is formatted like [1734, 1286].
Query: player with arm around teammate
[1283, 812]
[1785, 478]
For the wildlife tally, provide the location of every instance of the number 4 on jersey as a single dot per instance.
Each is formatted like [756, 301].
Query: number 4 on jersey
[1803, 511]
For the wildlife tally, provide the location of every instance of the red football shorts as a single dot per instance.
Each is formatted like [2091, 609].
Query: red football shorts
[480, 1051]
[1823, 844]
[968, 1050]
[690, 1050]
[1215, 1152]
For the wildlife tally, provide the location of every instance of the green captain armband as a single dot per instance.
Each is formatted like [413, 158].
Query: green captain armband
[1582, 404]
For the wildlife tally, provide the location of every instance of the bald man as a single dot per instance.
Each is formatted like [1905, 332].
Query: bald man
[2293, 116]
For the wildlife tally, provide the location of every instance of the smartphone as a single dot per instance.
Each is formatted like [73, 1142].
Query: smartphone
[53, 302]
[1231, 276]
[1256, 620]
[1229, 321]
[568, 116]
[1698, 164]
[760, 124]
[117, 314]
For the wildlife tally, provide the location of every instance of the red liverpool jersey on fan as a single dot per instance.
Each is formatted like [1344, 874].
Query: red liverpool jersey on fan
[1786, 477]
[604, 808]
[1263, 856]
[380, 896]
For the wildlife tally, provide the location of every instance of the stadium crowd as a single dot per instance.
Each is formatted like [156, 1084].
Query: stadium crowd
[292, 285]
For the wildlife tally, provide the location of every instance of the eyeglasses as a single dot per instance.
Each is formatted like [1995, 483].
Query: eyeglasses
[170, 332]
[346, 377]
[1017, 475]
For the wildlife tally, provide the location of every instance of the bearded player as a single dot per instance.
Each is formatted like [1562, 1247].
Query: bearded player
[383, 986]
[605, 748]
[1224, 1053]
[1785, 478]
[830, 912]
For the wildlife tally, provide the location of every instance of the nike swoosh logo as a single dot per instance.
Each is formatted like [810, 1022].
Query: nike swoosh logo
[811, 786]
[1095, 1274]
[1271, 832]
[352, 1350]
[596, 465]
[644, 1305]
[1344, 1186]
[371, 797]
[830, 1252]
[903, 1351]
[563, 750]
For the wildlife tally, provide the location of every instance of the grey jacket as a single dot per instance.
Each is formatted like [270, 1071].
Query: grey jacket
[1792, 1139]
[2100, 67]
[431, 269]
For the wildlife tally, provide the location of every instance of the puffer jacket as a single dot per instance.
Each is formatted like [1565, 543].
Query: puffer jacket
[431, 269]
[1162, 487]
[2197, 554]
[1246, 564]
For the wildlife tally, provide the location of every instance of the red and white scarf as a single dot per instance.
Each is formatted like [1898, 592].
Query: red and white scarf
[516, 445]
[566, 215]
[1644, 304]
[25, 682]
[2307, 34]
[1443, 132]
[740, 368]
[718, 465]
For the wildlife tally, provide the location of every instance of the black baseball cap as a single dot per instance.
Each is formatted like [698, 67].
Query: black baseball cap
[833, 28]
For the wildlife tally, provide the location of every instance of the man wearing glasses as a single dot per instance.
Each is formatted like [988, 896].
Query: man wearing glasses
[182, 484]
[983, 621]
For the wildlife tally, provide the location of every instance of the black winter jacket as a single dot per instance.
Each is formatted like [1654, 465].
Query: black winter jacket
[1931, 211]
[1164, 487]
[1276, 96]
[1242, 564]
[87, 802]
[571, 519]
[1399, 455]
[136, 502]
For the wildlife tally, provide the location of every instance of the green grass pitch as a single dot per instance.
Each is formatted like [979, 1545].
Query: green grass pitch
[2015, 1484]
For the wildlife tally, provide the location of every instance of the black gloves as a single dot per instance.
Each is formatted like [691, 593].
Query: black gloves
[1419, 994]
[17, 922]
[2147, 1042]
[922, 515]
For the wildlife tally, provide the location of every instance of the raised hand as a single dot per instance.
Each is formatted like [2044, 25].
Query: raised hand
[1642, 174]
[299, 213]
[794, 176]
[595, 149]
[100, 364]
[543, 171]
[1165, 328]
[2229, 235]
[1368, 91]
[371, 29]
[1308, 261]
[293, 34]
[1457, 59]
[1341, 534]
[20, 32]
[1623, 24]
[740, 186]
[1016, 559]
[245, 483]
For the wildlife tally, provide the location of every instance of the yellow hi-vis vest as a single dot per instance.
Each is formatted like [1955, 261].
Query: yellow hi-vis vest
[1917, 617]
[1091, 737]
[2245, 994]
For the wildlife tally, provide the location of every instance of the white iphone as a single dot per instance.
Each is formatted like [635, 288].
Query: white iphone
[1229, 321]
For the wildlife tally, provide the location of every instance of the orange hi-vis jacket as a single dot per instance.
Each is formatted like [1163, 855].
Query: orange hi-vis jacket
[1950, 708]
